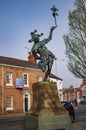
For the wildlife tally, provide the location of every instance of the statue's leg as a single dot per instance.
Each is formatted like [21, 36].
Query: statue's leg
[46, 75]
[50, 63]
[40, 65]
[44, 61]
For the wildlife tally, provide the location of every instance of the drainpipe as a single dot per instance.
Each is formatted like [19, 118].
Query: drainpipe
[2, 91]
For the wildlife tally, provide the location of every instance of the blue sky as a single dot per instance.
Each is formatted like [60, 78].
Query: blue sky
[20, 17]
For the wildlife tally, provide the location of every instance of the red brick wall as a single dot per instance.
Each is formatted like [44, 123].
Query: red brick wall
[0, 89]
[12, 90]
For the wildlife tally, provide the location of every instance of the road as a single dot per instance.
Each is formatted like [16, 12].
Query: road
[15, 122]
[11, 122]
[80, 122]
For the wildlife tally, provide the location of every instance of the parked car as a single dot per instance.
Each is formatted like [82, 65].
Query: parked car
[68, 106]
[83, 102]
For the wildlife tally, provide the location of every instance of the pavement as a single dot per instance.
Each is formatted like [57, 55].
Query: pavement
[80, 122]
[5, 116]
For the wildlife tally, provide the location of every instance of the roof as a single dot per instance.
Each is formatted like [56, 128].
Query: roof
[55, 77]
[17, 62]
[69, 90]
[21, 63]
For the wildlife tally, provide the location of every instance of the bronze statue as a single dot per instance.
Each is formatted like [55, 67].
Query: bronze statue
[40, 51]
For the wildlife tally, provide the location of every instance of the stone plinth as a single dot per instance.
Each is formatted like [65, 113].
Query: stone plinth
[46, 113]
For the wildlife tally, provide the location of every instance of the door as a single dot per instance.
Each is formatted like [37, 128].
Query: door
[26, 103]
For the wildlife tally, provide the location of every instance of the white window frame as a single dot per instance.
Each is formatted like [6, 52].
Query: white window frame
[39, 78]
[10, 79]
[29, 105]
[11, 103]
[26, 85]
[84, 91]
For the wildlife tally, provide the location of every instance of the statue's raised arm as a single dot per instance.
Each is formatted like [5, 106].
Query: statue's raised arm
[50, 35]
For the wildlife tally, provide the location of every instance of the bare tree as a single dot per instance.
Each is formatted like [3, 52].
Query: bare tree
[75, 40]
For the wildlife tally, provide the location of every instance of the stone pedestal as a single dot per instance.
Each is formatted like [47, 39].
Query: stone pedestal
[46, 113]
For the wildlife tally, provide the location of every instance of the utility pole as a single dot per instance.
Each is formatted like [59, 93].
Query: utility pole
[2, 82]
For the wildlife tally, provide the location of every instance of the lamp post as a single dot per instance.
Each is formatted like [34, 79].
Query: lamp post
[2, 90]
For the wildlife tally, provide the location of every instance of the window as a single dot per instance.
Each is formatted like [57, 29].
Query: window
[39, 78]
[9, 79]
[84, 91]
[9, 103]
[25, 80]
[78, 95]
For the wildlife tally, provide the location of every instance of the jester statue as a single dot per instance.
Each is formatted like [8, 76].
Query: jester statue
[40, 51]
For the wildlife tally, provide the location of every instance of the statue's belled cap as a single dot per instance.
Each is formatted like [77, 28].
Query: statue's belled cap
[34, 36]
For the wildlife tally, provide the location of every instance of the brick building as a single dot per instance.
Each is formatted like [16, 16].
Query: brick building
[69, 94]
[16, 78]
[81, 92]
[73, 93]
[59, 85]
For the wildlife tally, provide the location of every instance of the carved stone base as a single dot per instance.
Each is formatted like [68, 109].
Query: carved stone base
[47, 112]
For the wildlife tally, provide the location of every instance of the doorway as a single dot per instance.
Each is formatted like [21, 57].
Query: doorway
[26, 101]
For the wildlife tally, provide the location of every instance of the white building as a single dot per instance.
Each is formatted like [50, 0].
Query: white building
[59, 85]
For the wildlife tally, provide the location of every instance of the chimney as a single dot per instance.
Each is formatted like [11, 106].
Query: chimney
[84, 81]
[71, 86]
[31, 58]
